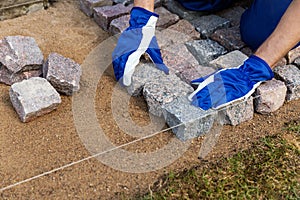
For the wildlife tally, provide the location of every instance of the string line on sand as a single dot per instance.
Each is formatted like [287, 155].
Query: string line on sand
[112, 149]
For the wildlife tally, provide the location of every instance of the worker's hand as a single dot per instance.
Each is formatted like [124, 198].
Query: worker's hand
[137, 39]
[229, 85]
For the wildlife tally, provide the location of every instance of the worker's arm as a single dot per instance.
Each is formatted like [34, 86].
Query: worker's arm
[285, 36]
[147, 4]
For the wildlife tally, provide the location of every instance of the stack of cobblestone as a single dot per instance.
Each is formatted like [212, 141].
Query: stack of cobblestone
[34, 83]
[194, 44]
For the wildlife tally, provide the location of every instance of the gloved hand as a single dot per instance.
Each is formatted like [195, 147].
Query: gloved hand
[229, 85]
[137, 39]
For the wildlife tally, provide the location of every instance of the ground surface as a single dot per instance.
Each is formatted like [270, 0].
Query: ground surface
[51, 141]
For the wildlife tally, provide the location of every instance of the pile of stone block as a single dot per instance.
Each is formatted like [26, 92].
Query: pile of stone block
[193, 45]
[35, 83]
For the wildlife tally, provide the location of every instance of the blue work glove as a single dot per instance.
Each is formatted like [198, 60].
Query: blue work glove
[137, 39]
[229, 85]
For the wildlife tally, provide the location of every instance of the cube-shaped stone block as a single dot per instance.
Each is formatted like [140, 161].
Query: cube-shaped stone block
[230, 38]
[190, 121]
[290, 75]
[119, 25]
[104, 15]
[20, 53]
[166, 18]
[270, 96]
[33, 97]
[208, 24]
[185, 27]
[63, 73]
[87, 6]
[239, 112]
[297, 62]
[293, 55]
[168, 37]
[143, 73]
[195, 72]
[233, 14]
[230, 60]
[205, 50]
[166, 89]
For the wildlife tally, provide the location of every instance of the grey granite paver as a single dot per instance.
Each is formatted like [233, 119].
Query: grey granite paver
[87, 6]
[230, 38]
[192, 121]
[63, 73]
[269, 96]
[233, 14]
[119, 25]
[297, 62]
[290, 74]
[168, 37]
[230, 60]
[104, 15]
[293, 55]
[166, 18]
[208, 24]
[205, 50]
[159, 92]
[33, 97]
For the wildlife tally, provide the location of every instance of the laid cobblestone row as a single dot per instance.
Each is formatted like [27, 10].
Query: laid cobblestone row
[290, 74]
[87, 6]
[270, 96]
[33, 97]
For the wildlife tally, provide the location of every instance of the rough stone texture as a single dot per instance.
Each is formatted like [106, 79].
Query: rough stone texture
[19, 53]
[293, 55]
[297, 62]
[290, 74]
[193, 121]
[195, 72]
[166, 89]
[206, 25]
[281, 62]
[143, 73]
[230, 38]
[270, 96]
[124, 2]
[176, 8]
[185, 27]
[170, 37]
[247, 51]
[10, 78]
[230, 60]
[119, 25]
[104, 15]
[63, 73]
[232, 14]
[166, 18]
[33, 97]
[239, 112]
[87, 6]
[205, 50]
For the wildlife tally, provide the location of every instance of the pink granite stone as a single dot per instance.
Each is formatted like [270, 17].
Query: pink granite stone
[87, 6]
[293, 55]
[166, 18]
[185, 27]
[119, 25]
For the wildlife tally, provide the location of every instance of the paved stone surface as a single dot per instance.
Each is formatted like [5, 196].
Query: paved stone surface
[63, 73]
[195, 121]
[33, 97]
[205, 50]
[270, 96]
[170, 37]
[119, 25]
[183, 26]
[20, 53]
[195, 72]
[290, 74]
[87, 6]
[166, 18]
[166, 89]
[293, 55]
[232, 14]
[230, 60]
[208, 24]
[143, 73]
[239, 112]
[230, 38]
[104, 15]
[176, 8]
[10, 78]
[297, 62]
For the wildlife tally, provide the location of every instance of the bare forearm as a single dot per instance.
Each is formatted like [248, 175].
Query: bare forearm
[285, 36]
[147, 4]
